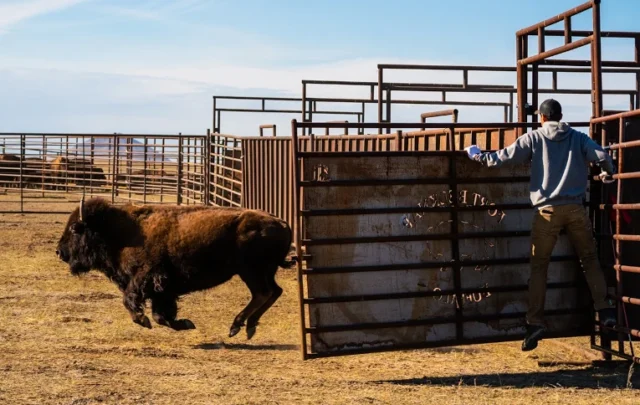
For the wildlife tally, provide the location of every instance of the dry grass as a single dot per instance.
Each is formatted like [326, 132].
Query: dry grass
[69, 341]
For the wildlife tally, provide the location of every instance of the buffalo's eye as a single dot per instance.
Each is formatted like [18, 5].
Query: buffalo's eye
[77, 228]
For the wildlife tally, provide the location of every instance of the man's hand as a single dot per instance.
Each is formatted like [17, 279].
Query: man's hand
[606, 178]
[473, 152]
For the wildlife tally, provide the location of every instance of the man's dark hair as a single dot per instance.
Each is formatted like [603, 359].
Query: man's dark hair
[551, 109]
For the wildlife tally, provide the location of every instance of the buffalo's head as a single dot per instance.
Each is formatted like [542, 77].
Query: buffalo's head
[94, 235]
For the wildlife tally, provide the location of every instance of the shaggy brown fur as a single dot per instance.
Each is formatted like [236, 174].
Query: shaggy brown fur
[160, 253]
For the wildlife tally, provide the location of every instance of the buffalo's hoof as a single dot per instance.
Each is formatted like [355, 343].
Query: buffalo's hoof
[234, 330]
[251, 330]
[183, 324]
[143, 321]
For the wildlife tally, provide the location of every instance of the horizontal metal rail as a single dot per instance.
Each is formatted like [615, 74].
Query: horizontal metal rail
[435, 321]
[429, 294]
[425, 265]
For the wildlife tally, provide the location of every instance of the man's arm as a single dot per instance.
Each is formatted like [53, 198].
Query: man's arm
[517, 152]
[595, 153]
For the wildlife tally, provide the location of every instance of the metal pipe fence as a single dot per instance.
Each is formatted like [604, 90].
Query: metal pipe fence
[38, 171]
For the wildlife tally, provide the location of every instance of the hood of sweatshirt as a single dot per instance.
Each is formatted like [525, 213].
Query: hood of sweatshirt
[555, 131]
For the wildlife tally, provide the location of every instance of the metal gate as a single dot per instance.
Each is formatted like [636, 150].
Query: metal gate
[421, 249]
[619, 223]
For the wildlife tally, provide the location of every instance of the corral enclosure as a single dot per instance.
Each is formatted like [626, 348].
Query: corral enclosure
[402, 242]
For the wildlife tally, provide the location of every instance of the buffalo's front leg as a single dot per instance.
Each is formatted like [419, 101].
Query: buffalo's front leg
[134, 303]
[165, 310]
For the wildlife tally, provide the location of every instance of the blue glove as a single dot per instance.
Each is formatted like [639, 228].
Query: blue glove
[473, 152]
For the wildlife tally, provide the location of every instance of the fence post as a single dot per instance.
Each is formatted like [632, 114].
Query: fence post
[179, 188]
[21, 173]
[206, 161]
[399, 141]
[114, 179]
[145, 171]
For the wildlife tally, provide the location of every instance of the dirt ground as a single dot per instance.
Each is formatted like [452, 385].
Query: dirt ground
[67, 340]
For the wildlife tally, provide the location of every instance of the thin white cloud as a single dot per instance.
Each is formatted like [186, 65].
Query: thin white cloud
[18, 11]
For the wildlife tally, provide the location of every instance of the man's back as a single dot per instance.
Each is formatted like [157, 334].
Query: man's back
[559, 158]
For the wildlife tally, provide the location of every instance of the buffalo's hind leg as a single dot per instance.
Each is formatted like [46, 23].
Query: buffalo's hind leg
[276, 292]
[260, 293]
[165, 310]
[134, 303]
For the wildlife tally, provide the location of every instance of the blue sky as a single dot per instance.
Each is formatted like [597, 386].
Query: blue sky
[152, 66]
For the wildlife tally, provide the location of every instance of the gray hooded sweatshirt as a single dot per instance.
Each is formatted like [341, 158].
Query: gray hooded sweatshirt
[559, 157]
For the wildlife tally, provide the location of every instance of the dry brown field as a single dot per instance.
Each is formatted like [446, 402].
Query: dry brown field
[68, 340]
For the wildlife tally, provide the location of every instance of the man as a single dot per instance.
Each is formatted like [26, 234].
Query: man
[559, 157]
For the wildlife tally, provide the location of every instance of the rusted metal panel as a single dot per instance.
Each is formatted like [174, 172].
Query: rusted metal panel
[422, 249]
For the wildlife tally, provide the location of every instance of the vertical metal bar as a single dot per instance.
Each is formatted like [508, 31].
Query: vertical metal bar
[144, 172]
[22, 142]
[129, 163]
[44, 163]
[380, 80]
[93, 149]
[389, 109]
[304, 102]
[245, 169]
[619, 292]
[510, 107]
[268, 146]
[637, 60]
[310, 114]
[279, 180]
[465, 78]
[541, 40]
[455, 244]
[297, 226]
[215, 146]
[68, 165]
[521, 78]
[567, 30]
[361, 129]
[451, 140]
[206, 161]
[114, 175]
[214, 115]
[179, 188]
[162, 158]
[596, 60]
[399, 141]
[534, 89]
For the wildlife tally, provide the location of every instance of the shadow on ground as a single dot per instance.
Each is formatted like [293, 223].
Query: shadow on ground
[591, 377]
[244, 346]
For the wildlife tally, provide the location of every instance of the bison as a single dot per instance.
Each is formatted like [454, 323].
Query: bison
[9, 170]
[160, 253]
[78, 171]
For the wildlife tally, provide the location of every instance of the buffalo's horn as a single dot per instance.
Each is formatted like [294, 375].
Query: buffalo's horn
[81, 207]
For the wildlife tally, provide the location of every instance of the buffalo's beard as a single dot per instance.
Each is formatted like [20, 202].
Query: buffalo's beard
[78, 268]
